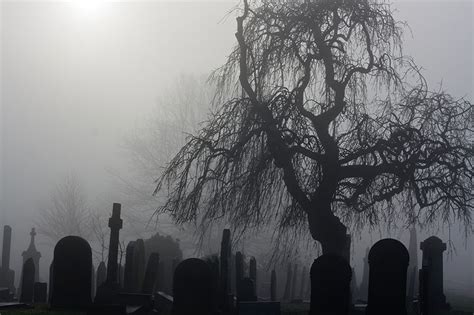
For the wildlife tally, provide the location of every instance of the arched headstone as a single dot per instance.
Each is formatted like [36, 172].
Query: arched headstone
[330, 285]
[72, 267]
[388, 263]
[193, 288]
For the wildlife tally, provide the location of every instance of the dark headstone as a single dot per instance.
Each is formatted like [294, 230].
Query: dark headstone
[138, 265]
[7, 276]
[388, 262]
[289, 274]
[51, 271]
[413, 266]
[151, 273]
[273, 286]
[31, 252]
[72, 267]
[115, 224]
[193, 289]
[101, 274]
[225, 270]
[330, 285]
[239, 270]
[129, 281]
[93, 282]
[246, 290]
[27, 281]
[40, 292]
[433, 299]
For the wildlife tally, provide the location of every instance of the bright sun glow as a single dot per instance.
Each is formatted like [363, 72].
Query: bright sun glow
[89, 8]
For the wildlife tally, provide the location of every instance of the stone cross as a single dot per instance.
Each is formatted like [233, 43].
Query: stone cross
[31, 252]
[27, 281]
[115, 224]
[388, 263]
[330, 285]
[431, 289]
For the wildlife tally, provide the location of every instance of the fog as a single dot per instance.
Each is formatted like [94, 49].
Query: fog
[76, 82]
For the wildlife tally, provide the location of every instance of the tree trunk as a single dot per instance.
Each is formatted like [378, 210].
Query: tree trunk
[327, 229]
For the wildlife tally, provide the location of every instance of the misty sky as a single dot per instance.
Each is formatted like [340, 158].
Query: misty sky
[75, 81]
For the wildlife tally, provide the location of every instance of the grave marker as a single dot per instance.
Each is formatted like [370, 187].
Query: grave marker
[193, 289]
[72, 267]
[27, 281]
[330, 285]
[388, 262]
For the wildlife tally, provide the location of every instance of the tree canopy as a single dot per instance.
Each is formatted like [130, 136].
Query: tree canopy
[321, 120]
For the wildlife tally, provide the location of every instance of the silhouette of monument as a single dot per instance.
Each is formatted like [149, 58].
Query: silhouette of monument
[7, 276]
[32, 253]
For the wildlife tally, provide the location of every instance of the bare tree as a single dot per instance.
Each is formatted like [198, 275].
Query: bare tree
[323, 122]
[67, 212]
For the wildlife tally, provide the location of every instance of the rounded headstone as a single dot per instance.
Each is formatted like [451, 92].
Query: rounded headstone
[330, 285]
[388, 263]
[193, 288]
[72, 267]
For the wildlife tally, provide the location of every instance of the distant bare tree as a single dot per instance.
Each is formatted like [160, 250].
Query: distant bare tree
[67, 212]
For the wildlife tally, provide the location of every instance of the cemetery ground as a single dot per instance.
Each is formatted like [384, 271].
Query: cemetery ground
[157, 280]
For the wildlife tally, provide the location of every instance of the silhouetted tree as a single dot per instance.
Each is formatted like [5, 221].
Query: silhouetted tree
[67, 212]
[321, 120]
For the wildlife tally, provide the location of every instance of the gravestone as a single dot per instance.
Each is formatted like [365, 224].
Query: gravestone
[330, 285]
[72, 267]
[93, 282]
[388, 262]
[246, 290]
[273, 286]
[115, 224]
[433, 299]
[225, 270]
[32, 253]
[239, 270]
[138, 265]
[7, 276]
[287, 293]
[27, 281]
[129, 281]
[51, 271]
[413, 266]
[40, 292]
[101, 274]
[193, 289]
[151, 273]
